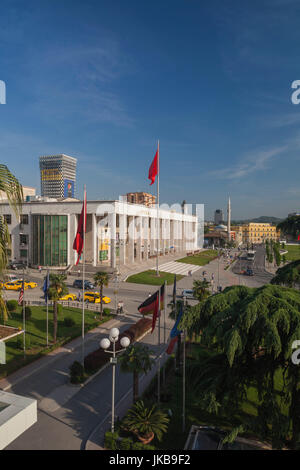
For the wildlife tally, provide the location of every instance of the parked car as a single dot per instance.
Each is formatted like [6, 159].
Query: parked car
[68, 297]
[95, 298]
[249, 272]
[87, 284]
[17, 285]
[15, 266]
[188, 293]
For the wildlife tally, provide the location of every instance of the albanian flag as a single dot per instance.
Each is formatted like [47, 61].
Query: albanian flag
[153, 170]
[79, 239]
[151, 305]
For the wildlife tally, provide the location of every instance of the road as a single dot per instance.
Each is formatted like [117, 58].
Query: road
[261, 276]
[68, 414]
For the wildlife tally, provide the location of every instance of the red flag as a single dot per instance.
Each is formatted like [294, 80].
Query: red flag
[153, 170]
[298, 237]
[171, 345]
[79, 239]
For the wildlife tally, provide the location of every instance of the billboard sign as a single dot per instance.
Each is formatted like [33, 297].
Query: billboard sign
[68, 188]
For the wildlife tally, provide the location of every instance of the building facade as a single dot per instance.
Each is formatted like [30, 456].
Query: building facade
[117, 232]
[259, 232]
[58, 176]
[146, 199]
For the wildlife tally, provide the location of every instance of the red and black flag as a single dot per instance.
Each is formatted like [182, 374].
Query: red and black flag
[151, 305]
[79, 239]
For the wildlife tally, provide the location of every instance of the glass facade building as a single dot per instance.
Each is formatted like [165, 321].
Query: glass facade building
[50, 240]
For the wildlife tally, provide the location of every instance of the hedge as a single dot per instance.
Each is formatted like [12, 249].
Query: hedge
[97, 359]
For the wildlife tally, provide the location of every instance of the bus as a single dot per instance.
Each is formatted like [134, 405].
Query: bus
[250, 255]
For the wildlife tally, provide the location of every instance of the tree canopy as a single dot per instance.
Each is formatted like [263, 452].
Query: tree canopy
[288, 275]
[290, 225]
[251, 331]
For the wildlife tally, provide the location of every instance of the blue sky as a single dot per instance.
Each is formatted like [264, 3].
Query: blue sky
[103, 80]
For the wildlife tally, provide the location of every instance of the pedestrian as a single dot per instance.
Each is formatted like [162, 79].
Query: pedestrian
[79, 296]
[212, 276]
[190, 273]
[121, 306]
[40, 269]
[149, 295]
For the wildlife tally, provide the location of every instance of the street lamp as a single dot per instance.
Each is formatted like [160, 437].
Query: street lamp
[105, 344]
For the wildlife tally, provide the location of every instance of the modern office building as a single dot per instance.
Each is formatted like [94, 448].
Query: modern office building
[117, 232]
[58, 176]
[219, 219]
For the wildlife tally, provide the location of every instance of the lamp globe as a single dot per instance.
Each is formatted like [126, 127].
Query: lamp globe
[105, 343]
[125, 342]
[114, 333]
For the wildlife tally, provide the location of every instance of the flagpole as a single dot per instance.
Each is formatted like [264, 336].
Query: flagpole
[47, 284]
[24, 339]
[158, 371]
[158, 227]
[165, 305]
[83, 269]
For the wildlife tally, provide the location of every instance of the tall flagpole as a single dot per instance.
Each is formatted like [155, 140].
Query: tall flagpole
[158, 370]
[47, 284]
[83, 269]
[157, 223]
[23, 305]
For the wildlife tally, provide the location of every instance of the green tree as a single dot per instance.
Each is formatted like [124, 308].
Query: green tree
[288, 275]
[251, 331]
[57, 289]
[101, 280]
[290, 226]
[14, 193]
[136, 359]
[200, 289]
[146, 423]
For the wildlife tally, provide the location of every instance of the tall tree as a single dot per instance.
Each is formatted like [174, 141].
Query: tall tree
[290, 226]
[288, 275]
[136, 359]
[101, 279]
[200, 289]
[14, 192]
[251, 331]
[57, 289]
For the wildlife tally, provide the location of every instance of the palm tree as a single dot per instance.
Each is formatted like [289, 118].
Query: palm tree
[146, 423]
[136, 359]
[201, 291]
[14, 192]
[56, 290]
[101, 279]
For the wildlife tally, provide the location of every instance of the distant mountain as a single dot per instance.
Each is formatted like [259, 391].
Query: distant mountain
[264, 219]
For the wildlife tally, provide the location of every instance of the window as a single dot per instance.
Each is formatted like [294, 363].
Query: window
[24, 219]
[23, 253]
[7, 218]
[23, 239]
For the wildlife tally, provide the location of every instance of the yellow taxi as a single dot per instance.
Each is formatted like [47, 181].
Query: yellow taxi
[68, 297]
[30, 284]
[95, 298]
[17, 285]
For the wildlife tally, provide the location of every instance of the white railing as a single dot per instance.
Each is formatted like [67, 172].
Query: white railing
[68, 303]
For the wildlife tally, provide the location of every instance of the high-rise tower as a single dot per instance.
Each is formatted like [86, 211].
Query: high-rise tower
[228, 219]
[58, 176]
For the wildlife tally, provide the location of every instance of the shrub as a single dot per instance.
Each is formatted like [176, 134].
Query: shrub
[141, 446]
[28, 312]
[76, 373]
[106, 311]
[95, 360]
[12, 305]
[69, 322]
[126, 443]
[110, 440]
[20, 341]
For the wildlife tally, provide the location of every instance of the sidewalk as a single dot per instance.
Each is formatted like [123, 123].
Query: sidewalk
[95, 440]
[26, 371]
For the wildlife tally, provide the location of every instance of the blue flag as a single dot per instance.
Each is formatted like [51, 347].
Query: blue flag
[46, 287]
[175, 331]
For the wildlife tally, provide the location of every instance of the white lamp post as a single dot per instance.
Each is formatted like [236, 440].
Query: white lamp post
[105, 344]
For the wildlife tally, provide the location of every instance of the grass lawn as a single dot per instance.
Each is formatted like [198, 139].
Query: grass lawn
[36, 334]
[200, 259]
[293, 252]
[149, 277]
